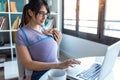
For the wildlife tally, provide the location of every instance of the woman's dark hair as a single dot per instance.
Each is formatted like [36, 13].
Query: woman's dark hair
[35, 6]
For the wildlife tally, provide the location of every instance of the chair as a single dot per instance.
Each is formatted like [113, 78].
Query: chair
[21, 69]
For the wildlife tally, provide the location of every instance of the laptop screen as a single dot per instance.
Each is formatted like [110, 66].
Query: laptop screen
[109, 60]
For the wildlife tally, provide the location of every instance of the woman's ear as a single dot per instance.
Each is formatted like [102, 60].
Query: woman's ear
[30, 13]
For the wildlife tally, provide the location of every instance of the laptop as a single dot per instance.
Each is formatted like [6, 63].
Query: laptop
[104, 66]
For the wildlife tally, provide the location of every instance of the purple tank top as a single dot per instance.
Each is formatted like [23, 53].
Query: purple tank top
[41, 47]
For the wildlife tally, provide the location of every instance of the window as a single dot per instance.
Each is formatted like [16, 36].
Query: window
[70, 14]
[112, 19]
[88, 16]
[96, 20]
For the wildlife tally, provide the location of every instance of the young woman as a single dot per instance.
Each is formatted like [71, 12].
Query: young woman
[37, 47]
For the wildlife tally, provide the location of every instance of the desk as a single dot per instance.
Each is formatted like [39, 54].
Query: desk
[90, 60]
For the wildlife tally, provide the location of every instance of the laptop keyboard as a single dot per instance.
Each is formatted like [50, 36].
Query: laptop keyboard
[92, 73]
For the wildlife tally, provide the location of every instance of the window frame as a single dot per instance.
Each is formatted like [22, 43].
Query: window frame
[99, 37]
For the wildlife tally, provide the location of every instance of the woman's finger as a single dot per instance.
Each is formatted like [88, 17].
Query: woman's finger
[73, 61]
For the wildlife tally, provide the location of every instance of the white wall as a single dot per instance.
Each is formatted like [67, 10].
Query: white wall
[77, 47]
[60, 14]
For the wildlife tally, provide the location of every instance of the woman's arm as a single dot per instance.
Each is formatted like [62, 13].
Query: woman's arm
[31, 64]
[36, 65]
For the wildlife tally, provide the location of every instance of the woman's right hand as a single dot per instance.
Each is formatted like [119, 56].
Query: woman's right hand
[68, 63]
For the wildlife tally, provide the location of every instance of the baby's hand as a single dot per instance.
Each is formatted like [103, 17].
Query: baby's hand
[57, 35]
[48, 32]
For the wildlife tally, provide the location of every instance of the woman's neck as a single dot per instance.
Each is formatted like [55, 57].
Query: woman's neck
[34, 26]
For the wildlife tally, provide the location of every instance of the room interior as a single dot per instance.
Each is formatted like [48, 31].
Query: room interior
[88, 29]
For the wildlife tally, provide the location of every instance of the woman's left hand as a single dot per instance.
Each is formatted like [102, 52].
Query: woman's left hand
[57, 36]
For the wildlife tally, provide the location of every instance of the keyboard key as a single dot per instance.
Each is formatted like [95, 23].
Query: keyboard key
[92, 73]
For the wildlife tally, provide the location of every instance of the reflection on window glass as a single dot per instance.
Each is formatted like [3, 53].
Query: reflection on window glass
[70, 14]
[112, 19]
[88, 16]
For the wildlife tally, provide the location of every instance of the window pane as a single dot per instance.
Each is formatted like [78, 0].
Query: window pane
[112, 18]
[70, 14]
[88, 16]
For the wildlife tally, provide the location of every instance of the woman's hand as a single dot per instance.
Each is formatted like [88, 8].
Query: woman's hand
[57, 35]
[48, 32]
[68, 63]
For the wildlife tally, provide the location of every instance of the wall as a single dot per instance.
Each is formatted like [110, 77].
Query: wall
[77, 47]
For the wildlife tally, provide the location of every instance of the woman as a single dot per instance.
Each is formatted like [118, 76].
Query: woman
[37, 47]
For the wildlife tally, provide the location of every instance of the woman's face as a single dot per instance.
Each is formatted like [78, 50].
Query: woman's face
[41, 16]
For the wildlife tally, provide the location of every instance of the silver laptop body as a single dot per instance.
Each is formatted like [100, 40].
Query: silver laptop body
[106, 64]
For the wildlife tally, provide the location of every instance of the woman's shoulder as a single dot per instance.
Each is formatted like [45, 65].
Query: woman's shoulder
[20, 30]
